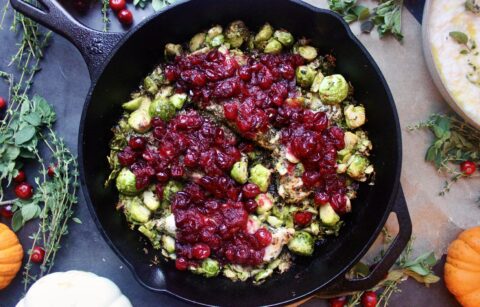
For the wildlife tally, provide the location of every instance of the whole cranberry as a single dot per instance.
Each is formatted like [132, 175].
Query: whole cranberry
[230, 110]
[250, 190]
[468, 167]
[125, 16]
[24, 191]
[20, 177]
[369, 299]
[200, 251]
[263, 236]
[162, 176]
[338, 301]
[6, 211]
[321, 198]
[302, 218]
[37, 255]
[3, 103]
[51, 170]
[251, 205]
[117, 5]
[137, 143]
[181, 264]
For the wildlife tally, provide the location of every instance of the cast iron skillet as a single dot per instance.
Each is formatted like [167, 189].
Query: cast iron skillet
[118, 62]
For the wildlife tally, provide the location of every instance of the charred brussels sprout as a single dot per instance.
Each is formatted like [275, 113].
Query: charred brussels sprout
[135, 211]
[265, 33]
[305, 75]
[354, 116]
[302, 243]
[350, 139]
[197, 42]
[208, 268]
[177, 100]
[172, 50]
[163, 108]
[260, 175]
[284, 37]
[215, 37]
[140, 120]
[151, 200]
[237, 34]
[328, 216]
[126, 182]
[333, 89]
[309, 53]
[359, 168]
[273, 46]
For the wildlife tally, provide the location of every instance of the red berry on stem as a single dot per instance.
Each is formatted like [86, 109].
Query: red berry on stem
[3, 103]
[20, 177]
[117, 5]
[125, 16]
[38, 254]
[51, 171]
[6, 211]
[468, 167]
[338, 301]
[302, 218]
[369, 299]
[24, 191]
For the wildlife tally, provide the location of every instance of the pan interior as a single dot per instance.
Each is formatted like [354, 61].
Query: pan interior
[138, 55]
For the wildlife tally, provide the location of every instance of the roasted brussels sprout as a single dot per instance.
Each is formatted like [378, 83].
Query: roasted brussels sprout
[328, 216]
[350, 140]
[151, 200]
[214, 31]
[284, 37]
[177, 100]
[302, 243]
[135, 211]
[333, 89]
[133, 104]
[354, 116]
[265, 33]
[140, 119]
[170, 189]
[237, 34]
[265, 202]
[305, 75]
[260, 175]
[273, 46]
[235, 272]
[262, 275]
[150, 86]
[163, 108]
[359, 167]
[168, 243]
[172, 50]
[208, 268]
[309, 53]
[197, 42]
[126, 182]
[316, 82]
[239, 171]
[148, 231]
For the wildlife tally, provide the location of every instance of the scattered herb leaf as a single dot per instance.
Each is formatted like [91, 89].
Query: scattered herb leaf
[459, 37]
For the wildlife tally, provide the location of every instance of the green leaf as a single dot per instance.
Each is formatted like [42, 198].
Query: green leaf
[33, 119]
[24, 135]
[431, 154]
[417, 268]
[362, 12]
[17, 221]
[29, 212]
[11, 153]
[459, 37]
[25, 108]
[77, 220]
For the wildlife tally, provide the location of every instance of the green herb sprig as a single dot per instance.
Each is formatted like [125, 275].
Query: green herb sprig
[454, 142]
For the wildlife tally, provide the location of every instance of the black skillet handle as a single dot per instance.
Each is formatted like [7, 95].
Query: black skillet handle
[344, 285]
[94, 45]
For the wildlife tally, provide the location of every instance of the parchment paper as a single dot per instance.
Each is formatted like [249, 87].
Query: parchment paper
[436, 220]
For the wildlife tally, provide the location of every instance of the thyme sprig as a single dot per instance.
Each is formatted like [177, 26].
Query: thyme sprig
[454, 142]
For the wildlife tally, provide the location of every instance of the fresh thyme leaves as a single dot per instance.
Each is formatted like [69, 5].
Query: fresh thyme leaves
[459, 37]
[156, 4]
[105, 18]
[387, 16]
[473, 6]
[455, 142]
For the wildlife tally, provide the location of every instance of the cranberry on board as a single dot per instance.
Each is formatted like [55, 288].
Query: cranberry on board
[338, 301]
[125, 16]
[302, 218]
[117, 5]
[24, 191]
[6, 211]
[468, 167]
[37, 255]
[20, 177]
[369, 299]
[3, 103]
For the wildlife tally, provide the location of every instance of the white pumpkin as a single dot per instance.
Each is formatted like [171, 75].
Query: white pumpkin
[74, 289]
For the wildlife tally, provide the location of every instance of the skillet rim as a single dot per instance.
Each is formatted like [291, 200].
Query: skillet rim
[388, 208]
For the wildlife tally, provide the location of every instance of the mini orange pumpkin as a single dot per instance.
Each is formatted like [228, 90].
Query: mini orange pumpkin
[11, 255]
[462, 269]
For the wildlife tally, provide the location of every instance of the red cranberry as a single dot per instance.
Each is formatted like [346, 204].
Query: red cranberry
[137, 143]
[24, 191]
[263, 236]
[20, 177]
[117, 5]
[338, 202]
[244, 73]
[369, 299]
[250, 190]
[3, 103]
[230, 110]
[201, 251]
[177, 171]
[37, 255]
[310, 179]
[468, 167]
[125, 16]
[6, 211]
[321, 198]
[162, 176]
[181, 264]
[302, 218]
[251, 205]
[340, 301]
[51, 171]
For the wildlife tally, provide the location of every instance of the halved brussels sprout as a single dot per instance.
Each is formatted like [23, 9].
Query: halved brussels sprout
[239, 171]
[197, 41]
[235, 272]
[177, 100]
[309, 53]
[172, 50]
[350, 140]
[127, 182]
[140, 119]
[148, 231]
[170, 189]
[135, 211]
[354, 116]
[163, 108]
[316, 82]
[168, 243]
[208, 268]
[328, 216]
[260, 175]
[265, 203]
[359, 168]
[273, 46]
[302, 243]
[214, 31]
[150, 86]
[151, 200]
[284, 37]
[305, 75]
[333, 89]
[265, 33]
[237, 34]
[133, 104]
